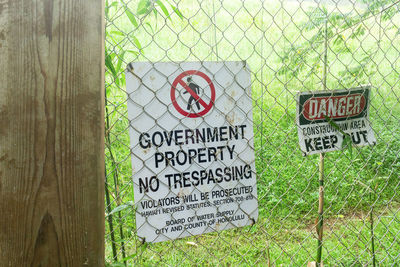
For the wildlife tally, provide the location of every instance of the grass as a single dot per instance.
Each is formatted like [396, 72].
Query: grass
[287, 181]
[346, 244]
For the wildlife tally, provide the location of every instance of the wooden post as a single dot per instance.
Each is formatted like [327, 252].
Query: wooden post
[320, 223]
[51, 133]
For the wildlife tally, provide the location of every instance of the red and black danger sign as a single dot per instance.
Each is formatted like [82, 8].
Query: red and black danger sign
[348, 109]
[197, 92]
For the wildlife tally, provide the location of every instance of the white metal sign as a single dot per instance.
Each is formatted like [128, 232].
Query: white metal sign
[191, 131]
[349, 109]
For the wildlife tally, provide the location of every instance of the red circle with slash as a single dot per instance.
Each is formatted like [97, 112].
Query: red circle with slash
[179, 80]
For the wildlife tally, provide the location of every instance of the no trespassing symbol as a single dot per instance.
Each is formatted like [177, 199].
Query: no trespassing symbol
[194, 91]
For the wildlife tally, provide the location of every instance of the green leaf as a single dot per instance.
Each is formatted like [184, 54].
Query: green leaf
[144, 7]
[358, 32]
[347, 142]
[155, 14]
[133, 52]
[110, 65]
[317, 17]
[164, 9]
[131, 17]
[176, 10]
[121, 57]
[137, 43]
[149, 25]
[334, 125]
[339, 40]
[107, 7]
[127, 205]
[389, 14]
[119, 33]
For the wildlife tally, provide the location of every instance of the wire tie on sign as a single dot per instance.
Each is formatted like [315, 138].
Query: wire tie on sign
[129, 67]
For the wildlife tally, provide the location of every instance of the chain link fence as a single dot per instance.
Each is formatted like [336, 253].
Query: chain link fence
[288, 46]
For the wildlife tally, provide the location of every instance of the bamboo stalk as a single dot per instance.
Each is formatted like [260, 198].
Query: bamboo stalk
[108, 201]
[118, 200]
[110, 221]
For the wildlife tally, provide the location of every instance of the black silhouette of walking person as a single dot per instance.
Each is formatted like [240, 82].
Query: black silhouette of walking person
[195, 88]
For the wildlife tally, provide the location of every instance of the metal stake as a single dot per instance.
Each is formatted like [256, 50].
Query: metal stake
[320, 224]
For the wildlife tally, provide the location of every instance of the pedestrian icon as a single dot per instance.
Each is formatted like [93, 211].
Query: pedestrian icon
[195, 88]
[204, 100]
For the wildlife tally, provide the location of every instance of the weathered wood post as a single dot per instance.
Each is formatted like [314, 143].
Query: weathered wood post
[51, 133]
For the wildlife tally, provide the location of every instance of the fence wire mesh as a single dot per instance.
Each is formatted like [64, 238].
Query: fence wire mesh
[284, 44]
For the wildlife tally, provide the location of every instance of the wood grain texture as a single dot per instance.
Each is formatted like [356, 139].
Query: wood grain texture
[51, 133]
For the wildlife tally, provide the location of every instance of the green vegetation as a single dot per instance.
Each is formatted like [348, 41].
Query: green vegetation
[283, 46]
